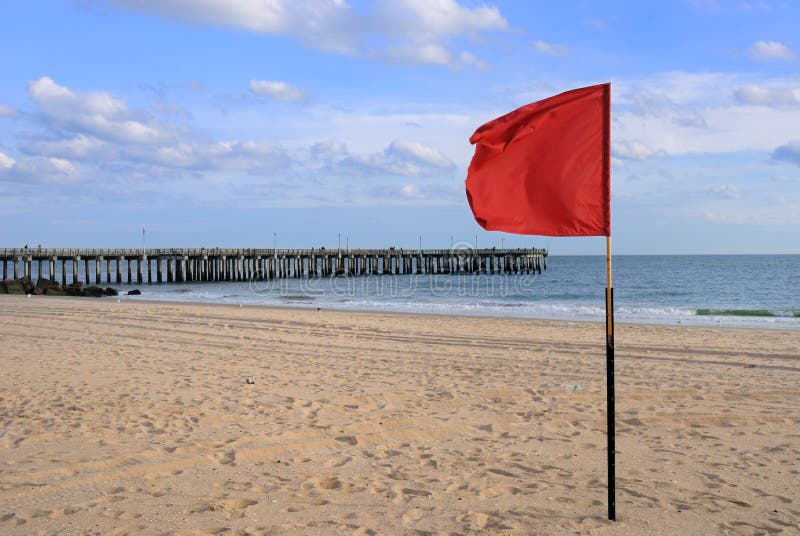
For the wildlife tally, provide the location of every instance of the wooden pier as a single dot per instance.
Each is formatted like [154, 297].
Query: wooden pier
[198, 265]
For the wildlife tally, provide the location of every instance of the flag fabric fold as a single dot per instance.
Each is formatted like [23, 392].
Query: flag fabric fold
[545, 169]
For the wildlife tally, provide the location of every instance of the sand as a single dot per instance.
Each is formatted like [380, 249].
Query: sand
[135, 418]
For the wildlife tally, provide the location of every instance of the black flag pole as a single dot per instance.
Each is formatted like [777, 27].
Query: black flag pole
[612, 510]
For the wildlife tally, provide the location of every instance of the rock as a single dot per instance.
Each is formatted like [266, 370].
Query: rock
[44, 286]
[94, 291]
[135, 292]
[75, 289]
[110, 292]
[27, 284]
[14, 286]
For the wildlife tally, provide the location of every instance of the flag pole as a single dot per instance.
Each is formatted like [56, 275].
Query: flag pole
[612, 510]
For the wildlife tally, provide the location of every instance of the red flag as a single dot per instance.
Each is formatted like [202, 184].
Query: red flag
[545, 168]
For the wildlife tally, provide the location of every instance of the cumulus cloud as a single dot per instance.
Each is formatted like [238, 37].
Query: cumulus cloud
[276, 90]
[96, 113]
[432, 54]
[80, 143]
[770, 50]
[324, 24]
[550, 49]
[47, 169]
[768, 96]
[469, 59]
[6, 162]
[692, 113]
[77, 147]
[416, 151]
[427, 53]
[633, 150]
[433, 19]
[788, 153]
[396, 30]
[400, 158]
[5, 111]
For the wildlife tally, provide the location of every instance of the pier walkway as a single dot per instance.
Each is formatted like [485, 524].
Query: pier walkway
[196, 265]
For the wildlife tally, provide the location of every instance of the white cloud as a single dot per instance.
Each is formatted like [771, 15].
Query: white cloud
[411, 191]
[632, 150]
[692, 113]
[768, 96]
[5, 111]
[97, 113]
[471, 60]
[79, 147]
[398, 30]
[550, 49]
[81, 134]
[426, 53]
[276, 90]
[416, 151]
[47, 169]
[401, 158]
[6, 162]
[770, 50]
[433, 54]
[782, 178]
[726, 190]
[433, 19]
[323, 24]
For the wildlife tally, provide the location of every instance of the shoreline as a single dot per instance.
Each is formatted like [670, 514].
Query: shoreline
[556, 321]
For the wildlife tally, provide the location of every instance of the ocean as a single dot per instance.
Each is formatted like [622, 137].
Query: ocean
[698, 290]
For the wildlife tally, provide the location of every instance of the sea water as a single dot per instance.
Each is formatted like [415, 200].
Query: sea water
[711, 290]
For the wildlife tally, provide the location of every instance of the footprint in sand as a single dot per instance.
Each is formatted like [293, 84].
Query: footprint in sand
[348, 440]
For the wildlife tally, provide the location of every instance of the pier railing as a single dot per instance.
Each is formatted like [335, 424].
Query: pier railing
[158, 265]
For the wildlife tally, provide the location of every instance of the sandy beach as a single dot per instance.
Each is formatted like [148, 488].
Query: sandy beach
[136, 418]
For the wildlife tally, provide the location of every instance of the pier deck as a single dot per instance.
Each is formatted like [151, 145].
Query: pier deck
[196, 265]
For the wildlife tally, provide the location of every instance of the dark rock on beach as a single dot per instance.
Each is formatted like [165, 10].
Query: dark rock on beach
[94, 291]
[74, 289]
[47, 286]
[22, 285]
[135, 292]
[51, 287]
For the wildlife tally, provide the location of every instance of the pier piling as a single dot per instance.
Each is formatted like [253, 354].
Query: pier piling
[198, 265]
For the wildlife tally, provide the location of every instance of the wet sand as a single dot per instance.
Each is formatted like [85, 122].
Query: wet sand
[135, 418]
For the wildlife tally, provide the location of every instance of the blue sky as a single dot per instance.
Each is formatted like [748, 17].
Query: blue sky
[215, 122]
